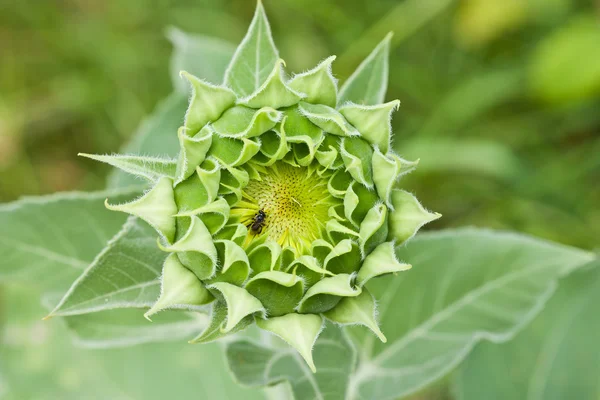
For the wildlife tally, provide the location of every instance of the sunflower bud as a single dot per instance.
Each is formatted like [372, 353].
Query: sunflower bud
[281, 205]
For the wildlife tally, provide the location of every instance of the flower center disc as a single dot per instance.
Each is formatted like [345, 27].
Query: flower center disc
[295, 202]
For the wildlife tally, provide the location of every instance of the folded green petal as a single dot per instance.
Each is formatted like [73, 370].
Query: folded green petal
[359, 310]
[196, 249]
[233, 152]
[318, 84]
[274, 92]
[214, 215]
[206, 104]
[299, 330]
[338, 183]
[218, 319]
[407, 217]
[298, 129]
[265, 257]
[157, 207]
[243, 122]
[192, 152]
[179, 287]
[209, 174]
[235, 267]
[373, 122]
[381, 261]
[345, 257]
[278, 291]
[357, 155]
[307, 267]
[373, 229]
[240, 303]
[326, 293]
[327, 118]
[338, 231]
[273, 147]
[387, 170]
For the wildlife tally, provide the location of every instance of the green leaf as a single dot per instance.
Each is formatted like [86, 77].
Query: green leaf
[467, 285]
[128, 327]
[125, 274]
[254, 58]
[150, 168]
[555, 357]
[39, 361]
[368, 84]
[156, 135]
[256, 364]
[202, 56]
[48, 241]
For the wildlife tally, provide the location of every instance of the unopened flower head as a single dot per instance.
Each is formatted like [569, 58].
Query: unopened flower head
[283, 202]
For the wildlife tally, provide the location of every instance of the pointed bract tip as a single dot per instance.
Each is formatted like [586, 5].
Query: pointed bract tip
[381, 336]
[47, 317]
[389, 36]
[148, 314]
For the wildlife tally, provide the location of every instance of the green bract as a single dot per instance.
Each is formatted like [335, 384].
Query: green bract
[283, 201]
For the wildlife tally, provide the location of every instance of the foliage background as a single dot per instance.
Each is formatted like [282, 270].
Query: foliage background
[500, 100]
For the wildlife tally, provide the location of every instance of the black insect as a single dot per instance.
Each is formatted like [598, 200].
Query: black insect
[258, 222]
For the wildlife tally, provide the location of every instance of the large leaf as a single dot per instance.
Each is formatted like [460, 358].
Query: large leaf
[202, 56]
[256, 364]
[556, 357]
[156, 136]
[466, 285]
[124, 275]
[128, 327]
[39, 362]
[368, 84]
[48, 241]
[255, 57]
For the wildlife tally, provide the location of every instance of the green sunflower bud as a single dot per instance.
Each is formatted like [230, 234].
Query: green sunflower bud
[282, 204]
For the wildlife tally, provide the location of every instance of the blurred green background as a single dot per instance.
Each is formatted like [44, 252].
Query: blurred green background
[500, 101]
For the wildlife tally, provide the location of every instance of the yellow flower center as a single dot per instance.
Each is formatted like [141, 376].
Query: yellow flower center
[288, 204]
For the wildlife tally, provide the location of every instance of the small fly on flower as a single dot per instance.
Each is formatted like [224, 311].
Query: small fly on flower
[258, 222]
